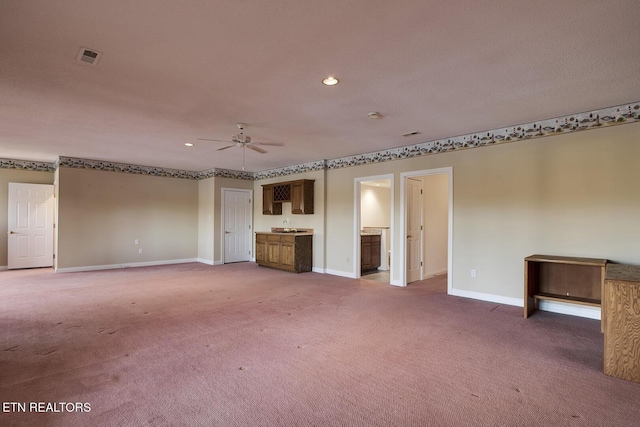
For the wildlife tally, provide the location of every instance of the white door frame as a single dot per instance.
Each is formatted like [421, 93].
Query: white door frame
[357, 194]
[401, 245]
[223, 220]
[31, 230]
[420, 183]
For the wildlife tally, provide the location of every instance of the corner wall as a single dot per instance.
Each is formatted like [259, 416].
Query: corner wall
[206, 215]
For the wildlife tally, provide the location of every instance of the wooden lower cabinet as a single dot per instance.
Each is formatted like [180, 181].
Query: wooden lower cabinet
[369, 252]
[285, 251]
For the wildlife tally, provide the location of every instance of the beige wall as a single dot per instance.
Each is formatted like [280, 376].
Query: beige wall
[315, 220]
[375, 206]
[15, 175]
[206, 215]
[436, 223]
[573, 194]
[102, 213]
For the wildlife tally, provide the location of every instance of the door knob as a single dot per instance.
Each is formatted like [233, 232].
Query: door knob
[12, 232]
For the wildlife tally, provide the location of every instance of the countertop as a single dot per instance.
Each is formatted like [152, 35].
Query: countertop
[297, 232]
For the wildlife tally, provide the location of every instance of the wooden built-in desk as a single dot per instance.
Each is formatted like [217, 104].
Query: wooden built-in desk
[621, 319]
[562, 279]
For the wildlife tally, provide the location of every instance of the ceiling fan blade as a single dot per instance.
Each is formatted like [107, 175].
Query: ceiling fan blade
[273, 144]
[256, 148]
[214, 140]
[224, 148]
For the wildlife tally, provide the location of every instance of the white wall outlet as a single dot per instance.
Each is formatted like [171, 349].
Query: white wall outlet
[135, 242]
[140, 250]
[474, 273]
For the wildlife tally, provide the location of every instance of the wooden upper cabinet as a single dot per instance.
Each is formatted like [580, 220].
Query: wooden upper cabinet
[299, 193]
[269, 207]
[267, 199]
[302, 196]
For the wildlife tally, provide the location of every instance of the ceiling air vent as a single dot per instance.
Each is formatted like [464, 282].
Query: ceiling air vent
[412, 133]
[89, 56]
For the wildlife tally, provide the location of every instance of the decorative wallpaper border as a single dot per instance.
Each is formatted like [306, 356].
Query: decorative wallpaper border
[628, 113]
[621, 114]
[27, 165]
[72, 162]
[225, 173]
[290, 170]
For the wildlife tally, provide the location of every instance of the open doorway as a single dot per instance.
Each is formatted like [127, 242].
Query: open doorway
[374, 219]
[427, 218]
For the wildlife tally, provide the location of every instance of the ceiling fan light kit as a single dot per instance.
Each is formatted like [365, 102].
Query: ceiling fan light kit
[244, 141]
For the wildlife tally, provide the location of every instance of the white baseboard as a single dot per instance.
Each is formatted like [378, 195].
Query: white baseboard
[487, 297]
[550, 306]
[340, 273]
[318, 270]
[126, 265]
[205, 261]
[570, 309]
[4, 267]
[434, 273]
[218, 262]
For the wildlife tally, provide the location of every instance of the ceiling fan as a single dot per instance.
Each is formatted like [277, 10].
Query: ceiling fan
[244, 141]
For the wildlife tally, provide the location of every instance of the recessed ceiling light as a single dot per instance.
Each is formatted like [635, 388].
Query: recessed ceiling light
[374, 115]
[189, 144]
[330, 81]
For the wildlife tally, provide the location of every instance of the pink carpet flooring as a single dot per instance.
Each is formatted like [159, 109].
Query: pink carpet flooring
[242, 345]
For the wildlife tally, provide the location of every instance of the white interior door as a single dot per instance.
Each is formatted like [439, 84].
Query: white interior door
[30, 226]
[414, 230]
[237, 225]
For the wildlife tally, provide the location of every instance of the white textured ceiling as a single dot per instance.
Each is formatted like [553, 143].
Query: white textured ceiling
[173, 71]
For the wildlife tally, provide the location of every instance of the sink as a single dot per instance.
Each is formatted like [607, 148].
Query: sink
[291, 230]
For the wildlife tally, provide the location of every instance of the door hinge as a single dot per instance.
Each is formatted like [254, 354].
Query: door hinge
[421, 191]
[420, 263]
